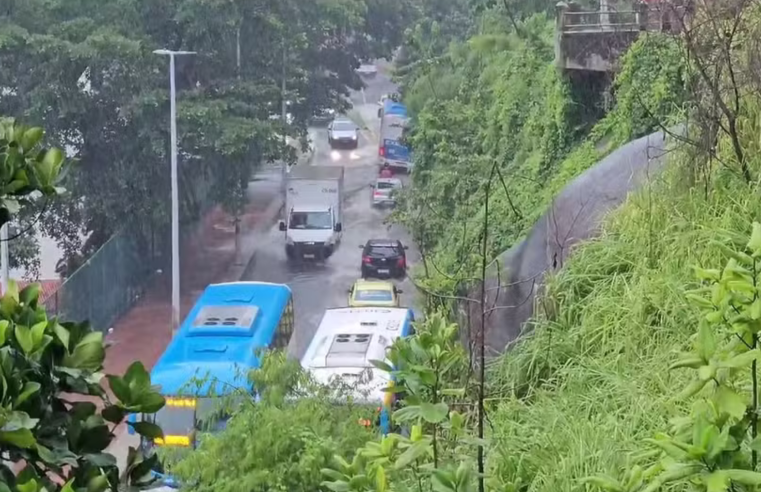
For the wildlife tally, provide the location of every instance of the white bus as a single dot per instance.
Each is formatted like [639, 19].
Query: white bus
[345, 343]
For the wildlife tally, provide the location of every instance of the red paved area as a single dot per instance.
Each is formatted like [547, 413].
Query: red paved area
[144, 332]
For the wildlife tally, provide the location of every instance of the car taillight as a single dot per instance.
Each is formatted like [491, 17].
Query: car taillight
[401, 263]
[366, 260]
[382, 151]
[377, 193]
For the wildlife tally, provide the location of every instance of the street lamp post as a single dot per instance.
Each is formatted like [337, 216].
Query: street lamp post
[175, 191]
[4, 257]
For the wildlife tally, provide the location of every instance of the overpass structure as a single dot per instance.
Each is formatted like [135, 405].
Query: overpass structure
[594, 40]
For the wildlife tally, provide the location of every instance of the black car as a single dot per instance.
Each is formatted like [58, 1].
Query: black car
[383, 258]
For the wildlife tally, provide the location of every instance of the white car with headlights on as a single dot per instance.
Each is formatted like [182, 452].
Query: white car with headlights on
[343, 132]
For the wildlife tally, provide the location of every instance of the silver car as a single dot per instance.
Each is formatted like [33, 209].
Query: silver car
[384, 191]
[343, 132]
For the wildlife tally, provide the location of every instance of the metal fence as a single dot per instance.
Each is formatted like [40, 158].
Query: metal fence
[112, 280]
[109, 283]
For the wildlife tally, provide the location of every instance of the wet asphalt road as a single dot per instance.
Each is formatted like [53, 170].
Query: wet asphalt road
[320, 285]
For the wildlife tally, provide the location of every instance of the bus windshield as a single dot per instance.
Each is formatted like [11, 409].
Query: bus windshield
[180, 421]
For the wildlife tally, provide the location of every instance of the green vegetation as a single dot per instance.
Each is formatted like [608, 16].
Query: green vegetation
[49, 368]
[541, 129]
[86, 71]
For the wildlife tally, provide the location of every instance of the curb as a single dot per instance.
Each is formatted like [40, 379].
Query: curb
[241, 270]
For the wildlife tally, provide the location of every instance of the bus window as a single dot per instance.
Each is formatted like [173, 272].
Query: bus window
[285, 327]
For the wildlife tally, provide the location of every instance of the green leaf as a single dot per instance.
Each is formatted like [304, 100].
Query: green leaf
[413, 453]
[4, 324]
[88, 354]
[443, 481]
[49, 167]
[755, 444]
[745, 477]
[383, 366]
[98, 483]
[434, 413]
[38, 333]
[332, 474]
[408, 413]
[742, 360]
[147, 429]
[336, 486]
[729, 402]
[150, 402]
[20, 438]
[693, 362]
[755, 309]
[706, 341]
[603, 482]
[12, 292]
[691, 389]
[28, 486]
[24, 339]
[137, 377]
[30, 388]
[31, 138]
[707, 274]
[101, 460]
[717, 481]
[30, 294]
[456, 392]
[62, 334]
[114, 413]
[754, 244]
[381, 483]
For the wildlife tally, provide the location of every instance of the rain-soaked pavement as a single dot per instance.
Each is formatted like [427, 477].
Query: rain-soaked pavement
[320, 285]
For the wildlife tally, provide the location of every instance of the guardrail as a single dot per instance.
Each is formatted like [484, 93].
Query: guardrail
[660, 15]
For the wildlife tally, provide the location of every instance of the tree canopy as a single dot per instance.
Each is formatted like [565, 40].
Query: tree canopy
[85, 70]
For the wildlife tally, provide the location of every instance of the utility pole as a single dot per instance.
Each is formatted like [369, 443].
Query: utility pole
[175, 191]
[284, 117]
[604, 14]
[4, 268]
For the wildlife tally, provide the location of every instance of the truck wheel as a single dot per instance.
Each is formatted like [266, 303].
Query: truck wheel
[289, 253]
[328, 252]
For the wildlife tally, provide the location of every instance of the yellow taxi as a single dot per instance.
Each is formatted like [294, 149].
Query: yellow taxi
[365, 293]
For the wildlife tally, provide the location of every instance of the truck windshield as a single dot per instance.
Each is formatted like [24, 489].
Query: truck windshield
[310, 220]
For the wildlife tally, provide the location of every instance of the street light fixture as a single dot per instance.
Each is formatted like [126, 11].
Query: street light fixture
[175, 192]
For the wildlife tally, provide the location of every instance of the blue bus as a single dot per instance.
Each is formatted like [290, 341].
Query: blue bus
[394, 120]
[346, 342]
[211, 355]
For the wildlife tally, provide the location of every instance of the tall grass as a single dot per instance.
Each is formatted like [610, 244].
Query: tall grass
[577, 395]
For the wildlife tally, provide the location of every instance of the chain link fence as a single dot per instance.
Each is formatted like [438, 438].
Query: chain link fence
[111, 281]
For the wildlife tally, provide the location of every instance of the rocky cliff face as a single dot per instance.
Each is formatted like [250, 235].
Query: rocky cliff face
[575, 215]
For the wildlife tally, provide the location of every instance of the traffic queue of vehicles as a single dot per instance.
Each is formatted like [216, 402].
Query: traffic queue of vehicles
[219, 342]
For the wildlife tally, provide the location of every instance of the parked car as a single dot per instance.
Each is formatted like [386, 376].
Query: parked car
[384, 191]
[343, 132]
[384, 258]
[368, 293]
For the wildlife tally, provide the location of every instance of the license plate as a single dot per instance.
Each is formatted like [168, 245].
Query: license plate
[383, 270]
[309, 255]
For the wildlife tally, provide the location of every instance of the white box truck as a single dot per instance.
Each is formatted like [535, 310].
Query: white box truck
[313, 211]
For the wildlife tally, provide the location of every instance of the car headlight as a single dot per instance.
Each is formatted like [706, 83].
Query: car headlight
[353, 137]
